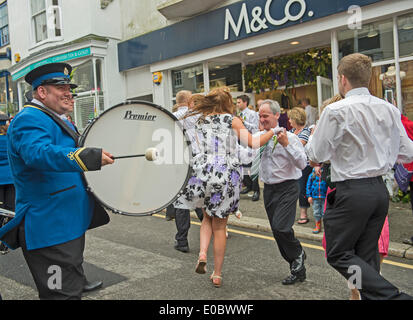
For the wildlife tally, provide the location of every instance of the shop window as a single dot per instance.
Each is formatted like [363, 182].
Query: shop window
[406, 75]
[222, 74]
[46, 19]
[83, 77]
[190, 78]
[4, 25]
[383, 83]
[374, 40]
[405, 29]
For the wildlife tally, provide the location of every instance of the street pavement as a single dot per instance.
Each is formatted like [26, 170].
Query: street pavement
[134, 257]
[400, 224]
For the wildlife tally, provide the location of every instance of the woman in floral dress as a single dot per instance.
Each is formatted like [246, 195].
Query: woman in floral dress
[216, 180]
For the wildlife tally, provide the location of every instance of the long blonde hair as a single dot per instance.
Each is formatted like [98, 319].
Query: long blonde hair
[217, 101]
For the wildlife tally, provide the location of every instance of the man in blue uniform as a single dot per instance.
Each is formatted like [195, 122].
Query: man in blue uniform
[53, 207]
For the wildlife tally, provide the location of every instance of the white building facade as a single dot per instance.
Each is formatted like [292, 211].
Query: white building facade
[82, 33]
[199, 51]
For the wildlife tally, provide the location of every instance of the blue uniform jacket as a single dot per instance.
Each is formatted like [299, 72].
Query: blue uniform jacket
[5, 173]
[50, 190]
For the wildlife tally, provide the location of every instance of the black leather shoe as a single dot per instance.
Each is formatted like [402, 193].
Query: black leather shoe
[90, 286]
[181, 248]
[298, 264]
[291, 279]
[256, 196]
[169, 218]
[245, 190]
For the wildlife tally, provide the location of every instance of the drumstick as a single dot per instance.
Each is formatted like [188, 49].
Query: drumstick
[129, 156]
[151, 154]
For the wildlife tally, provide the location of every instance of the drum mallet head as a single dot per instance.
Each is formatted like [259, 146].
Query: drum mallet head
[151, 154]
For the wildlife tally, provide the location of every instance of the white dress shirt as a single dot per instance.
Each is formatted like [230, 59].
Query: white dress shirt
[251, 119]
[189, 125]
[282, 164]
[362, 136]
[311, 115]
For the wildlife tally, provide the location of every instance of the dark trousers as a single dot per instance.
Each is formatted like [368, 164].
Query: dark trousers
[302, 198]
[183, 223]
[7, 197]
[57, 270]
[248, 182]
[280, 202]
[353, 221]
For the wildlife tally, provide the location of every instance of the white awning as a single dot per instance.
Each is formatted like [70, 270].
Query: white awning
[175, 9]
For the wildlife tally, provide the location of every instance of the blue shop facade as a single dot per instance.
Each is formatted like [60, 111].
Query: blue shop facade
[240, 44]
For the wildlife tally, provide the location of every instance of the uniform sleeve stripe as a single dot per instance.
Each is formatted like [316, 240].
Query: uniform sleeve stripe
[78, 160]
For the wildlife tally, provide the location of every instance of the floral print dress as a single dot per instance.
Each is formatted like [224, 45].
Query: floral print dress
[216, 180]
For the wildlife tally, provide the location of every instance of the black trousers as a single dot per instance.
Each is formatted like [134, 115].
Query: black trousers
[302, 198]
[183, 223]
[280, 202]
[57, 270]
[353, 221]
[248, 182]
[7, 197]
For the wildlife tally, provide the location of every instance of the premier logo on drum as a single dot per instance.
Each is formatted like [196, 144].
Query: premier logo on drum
[140, 117]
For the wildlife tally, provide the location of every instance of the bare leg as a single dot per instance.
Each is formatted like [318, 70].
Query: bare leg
[205, 234]
[303, 213]
[220, 241]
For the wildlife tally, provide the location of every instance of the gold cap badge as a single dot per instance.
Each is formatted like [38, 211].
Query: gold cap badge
[66, 72]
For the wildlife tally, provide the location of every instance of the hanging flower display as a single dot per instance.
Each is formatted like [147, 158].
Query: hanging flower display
[288, 70]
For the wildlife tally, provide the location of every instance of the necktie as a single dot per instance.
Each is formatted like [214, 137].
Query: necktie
[255, 168]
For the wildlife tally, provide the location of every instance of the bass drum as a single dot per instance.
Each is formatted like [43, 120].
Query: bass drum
[135, 186]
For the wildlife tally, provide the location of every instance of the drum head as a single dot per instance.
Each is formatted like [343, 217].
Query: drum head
[136, 186]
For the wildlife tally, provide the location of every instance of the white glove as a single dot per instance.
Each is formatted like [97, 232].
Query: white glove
[277, 130]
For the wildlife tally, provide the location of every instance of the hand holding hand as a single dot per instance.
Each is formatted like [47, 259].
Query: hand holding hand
[310, 200]
[282, 138]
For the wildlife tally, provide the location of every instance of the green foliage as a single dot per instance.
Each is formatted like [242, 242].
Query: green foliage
[288, 70]
[401, 196]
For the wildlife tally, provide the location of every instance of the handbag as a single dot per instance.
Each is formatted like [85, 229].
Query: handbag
[402, 176]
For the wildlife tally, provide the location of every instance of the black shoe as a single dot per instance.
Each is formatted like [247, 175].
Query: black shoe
[291, 279]
[90, 286]
[245, 190]
[181, 248]
[298, 264]
[169, 218]
[256, 196]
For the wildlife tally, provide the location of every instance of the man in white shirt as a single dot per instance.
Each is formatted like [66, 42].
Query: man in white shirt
[250, 120]
[363, 137]
[310, 112]
[182, 216]
[280, 169]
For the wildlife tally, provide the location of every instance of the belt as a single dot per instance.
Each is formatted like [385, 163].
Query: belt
[361, 181]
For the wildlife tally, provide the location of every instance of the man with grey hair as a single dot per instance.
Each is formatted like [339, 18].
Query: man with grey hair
[282, 160]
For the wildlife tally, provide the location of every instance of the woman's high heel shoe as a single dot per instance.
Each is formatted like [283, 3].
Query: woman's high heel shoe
[201, 265]
[216, 280]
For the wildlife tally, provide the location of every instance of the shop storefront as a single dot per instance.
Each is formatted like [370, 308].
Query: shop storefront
[224, 46]
[88, 60]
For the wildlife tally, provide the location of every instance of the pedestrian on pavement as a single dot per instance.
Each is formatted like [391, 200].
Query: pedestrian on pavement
[53, 207]
[250, 119]
[310, 111]
[215, 184]
[280, 169]
[362, 136]
[297, 119]
[7, 191]
[316, 194]
[181, 214]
